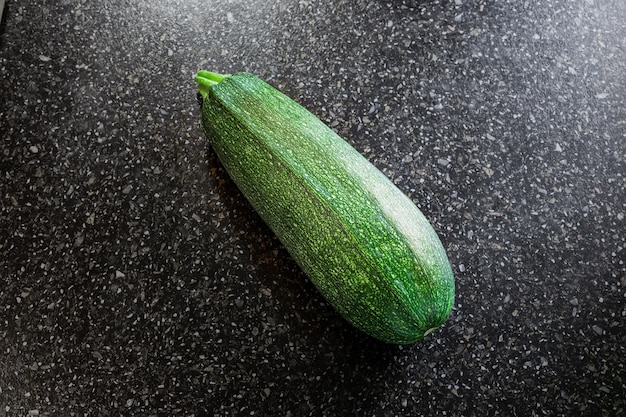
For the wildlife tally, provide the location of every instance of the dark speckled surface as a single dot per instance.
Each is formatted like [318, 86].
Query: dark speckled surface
[135, 280]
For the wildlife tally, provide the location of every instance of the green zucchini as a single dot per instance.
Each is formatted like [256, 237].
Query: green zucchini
[364, 244]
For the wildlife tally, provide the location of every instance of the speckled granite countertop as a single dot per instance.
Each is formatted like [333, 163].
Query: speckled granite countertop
[135, 280]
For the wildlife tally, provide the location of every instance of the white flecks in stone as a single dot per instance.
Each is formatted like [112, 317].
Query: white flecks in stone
[519, 87]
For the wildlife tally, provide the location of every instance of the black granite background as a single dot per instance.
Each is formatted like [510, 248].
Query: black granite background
[135, 280]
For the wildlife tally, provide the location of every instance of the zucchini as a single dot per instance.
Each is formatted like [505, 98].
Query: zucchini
[364, 244]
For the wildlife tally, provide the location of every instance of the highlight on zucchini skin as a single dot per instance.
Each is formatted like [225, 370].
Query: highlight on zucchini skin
[363, 243]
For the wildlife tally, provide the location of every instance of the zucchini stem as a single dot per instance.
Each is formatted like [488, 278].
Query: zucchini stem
[206, 79]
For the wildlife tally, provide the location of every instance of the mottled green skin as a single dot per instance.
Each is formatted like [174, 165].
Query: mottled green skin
[323, 201]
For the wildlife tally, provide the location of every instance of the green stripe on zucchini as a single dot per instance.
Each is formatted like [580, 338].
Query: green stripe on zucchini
[363, 243]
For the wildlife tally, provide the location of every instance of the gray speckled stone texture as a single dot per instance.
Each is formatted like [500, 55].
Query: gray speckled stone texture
[136, 280]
